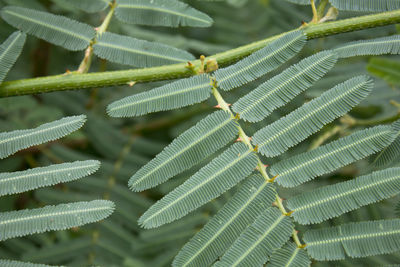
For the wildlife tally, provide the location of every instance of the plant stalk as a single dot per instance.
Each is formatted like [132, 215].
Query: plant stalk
[243, 137]
[73, 81]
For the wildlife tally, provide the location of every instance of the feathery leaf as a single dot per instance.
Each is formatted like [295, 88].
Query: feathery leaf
[261, 62]
[11, 142]
[270, 231]
[390, 153]
[90, 6]
[277, 137]
[17, 182]
[366, 5]
[139, 53]
[354, 239]
[59, 217]
[289, 256]
[10, 263]
[190, 148]
[253, 197]
[306, 166]
[378, 46]
[174, 95]
[58, 30]
[225, 171]
[386, 69]
[282, 88]
[170, 13]
[299, 2]
[331, 201]
[10, 51]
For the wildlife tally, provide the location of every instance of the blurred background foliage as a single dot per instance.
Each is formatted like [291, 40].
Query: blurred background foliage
[123, 146]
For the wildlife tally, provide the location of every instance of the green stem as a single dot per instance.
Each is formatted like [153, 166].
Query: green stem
[73, 81]
[87, 60]
[260, 166]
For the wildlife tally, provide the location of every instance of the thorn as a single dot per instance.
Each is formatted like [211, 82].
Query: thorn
[256, 148]
[274, 204]
[239, 139]
[132, 83]
[96, 29]
[296, 231]
[218, 106]
[304, 24]
[272, 180]
[229, 105]
[303, 246]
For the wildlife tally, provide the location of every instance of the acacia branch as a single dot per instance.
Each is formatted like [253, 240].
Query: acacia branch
[73, 81]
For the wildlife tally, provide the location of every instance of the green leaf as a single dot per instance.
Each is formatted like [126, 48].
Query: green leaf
[225, 171]
[289, 256]
[90, 6]
[174, 95]
[187, 150]
[11, 142]
[355, 240]
[277, 137]
[60, 217]
[261, 62]
[306, 166]
[58, 30]
[366, 5]
[282, 88]
[139, 53]
[253, 197]
[331, 201]
[10, 263]
[269, 232]
[10, 51]
[170, 13]
[17, 182]
[378, 46]
[300, 2]
[386, 69]
[390, 153]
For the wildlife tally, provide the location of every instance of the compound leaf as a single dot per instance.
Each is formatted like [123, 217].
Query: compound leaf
[289, 256]
[11, 142]
[392, 152]
[331, 201]
[170, 13]
[378, 46]
[355, 240]
[277, 137]
[59, 217]
[188, 149]
[11, 263]
[139, 53]
[261, 62]
[174, 95]
[58, 30]
[253, 197]
[222, 173]
[366, 5]
[282, 88]
[10, 51]
[269, 232]
[17, 182]
[90, 6]
[306, 166]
